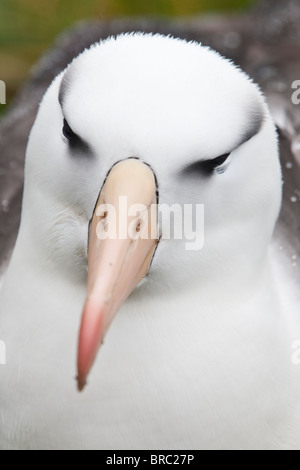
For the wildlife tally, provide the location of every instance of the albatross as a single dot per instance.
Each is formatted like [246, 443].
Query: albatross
[197, 346]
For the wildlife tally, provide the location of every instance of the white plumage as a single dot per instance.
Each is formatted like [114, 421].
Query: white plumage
[199, 356]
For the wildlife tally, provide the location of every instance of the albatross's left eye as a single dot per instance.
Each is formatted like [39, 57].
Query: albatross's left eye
[216, 164]
[207, 167]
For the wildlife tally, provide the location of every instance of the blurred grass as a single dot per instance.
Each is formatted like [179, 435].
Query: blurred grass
[28, 27]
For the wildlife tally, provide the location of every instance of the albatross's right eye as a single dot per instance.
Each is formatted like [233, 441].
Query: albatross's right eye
[75, 142]
[68, 133]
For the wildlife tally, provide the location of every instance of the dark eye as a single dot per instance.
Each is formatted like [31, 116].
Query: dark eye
[207, 167]
[210, 165]
[68, 133]
[75, 142]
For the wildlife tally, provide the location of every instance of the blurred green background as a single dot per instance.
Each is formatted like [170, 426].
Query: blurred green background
[28, 27]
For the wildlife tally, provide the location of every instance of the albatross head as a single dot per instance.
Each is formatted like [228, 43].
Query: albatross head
[150, 119]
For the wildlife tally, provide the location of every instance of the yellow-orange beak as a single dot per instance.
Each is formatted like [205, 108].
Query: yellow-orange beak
[122, 243]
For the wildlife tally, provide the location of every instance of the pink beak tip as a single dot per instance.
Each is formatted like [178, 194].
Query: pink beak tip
[81, 383]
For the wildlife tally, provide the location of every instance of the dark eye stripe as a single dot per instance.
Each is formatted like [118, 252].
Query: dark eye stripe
[75, 142]
[67, 131]
[206, 167]
[210, 165]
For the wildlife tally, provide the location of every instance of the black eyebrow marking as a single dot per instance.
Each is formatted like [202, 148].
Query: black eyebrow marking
[204, 167]
[77, 144]
[255, 120]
